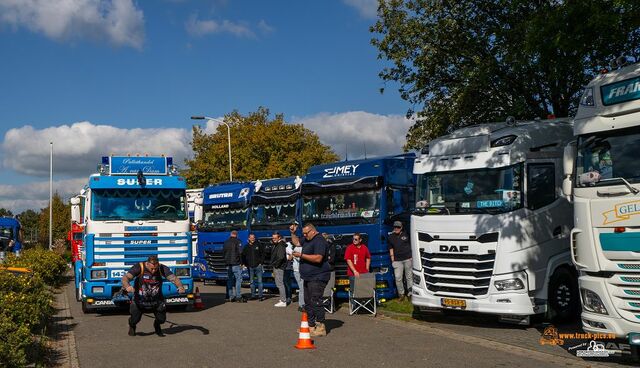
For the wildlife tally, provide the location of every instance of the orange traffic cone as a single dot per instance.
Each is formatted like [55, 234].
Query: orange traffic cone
[198, 304]
[304, 339]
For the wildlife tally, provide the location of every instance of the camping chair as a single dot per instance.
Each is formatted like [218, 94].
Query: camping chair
[363, 295]
[328, 295]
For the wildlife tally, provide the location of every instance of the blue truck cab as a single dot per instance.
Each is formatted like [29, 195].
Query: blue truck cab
[275, 205]
[225, 207]
[10, 236]
[363, 196]
[134, 207]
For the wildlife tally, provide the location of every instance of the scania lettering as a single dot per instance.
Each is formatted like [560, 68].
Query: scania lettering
[363, 196]
[275, 204]
[603, 179]
[490, 232]
[224, 207]
[127, 216]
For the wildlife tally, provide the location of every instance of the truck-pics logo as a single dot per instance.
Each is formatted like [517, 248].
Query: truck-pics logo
[621, 212]
[346, 170]
[454, 248]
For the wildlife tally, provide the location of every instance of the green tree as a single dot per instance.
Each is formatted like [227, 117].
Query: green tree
[472, 61]
[261, 148]
[61, 221]
[5, 212]
[29, 220]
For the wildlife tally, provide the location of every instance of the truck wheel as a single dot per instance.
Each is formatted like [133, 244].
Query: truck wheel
[563, 299]
[85, 310]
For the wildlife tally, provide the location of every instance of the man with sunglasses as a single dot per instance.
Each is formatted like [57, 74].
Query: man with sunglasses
[358, 259]
[315, 272]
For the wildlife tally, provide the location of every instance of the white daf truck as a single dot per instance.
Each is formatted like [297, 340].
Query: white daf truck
[602, 170]
[490, 233]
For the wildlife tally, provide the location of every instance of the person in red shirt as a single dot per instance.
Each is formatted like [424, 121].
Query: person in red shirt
[358, 259]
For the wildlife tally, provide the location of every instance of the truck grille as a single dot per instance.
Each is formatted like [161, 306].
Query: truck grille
[267, 246]
[625, 294]
[215, 261]
[465, 275]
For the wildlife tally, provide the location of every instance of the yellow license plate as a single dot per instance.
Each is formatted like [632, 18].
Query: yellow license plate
[342, 282]
[453, 303]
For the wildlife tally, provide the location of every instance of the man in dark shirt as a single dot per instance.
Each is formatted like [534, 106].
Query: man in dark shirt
[400, 252]
[147, 295]
[253, 258]
[231, 251]
[315, 271]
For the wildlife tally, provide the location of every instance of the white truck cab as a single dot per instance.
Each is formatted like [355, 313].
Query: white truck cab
[603, 179]
[490, 233]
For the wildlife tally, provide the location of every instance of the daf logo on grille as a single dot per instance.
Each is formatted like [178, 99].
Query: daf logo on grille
[454, 248]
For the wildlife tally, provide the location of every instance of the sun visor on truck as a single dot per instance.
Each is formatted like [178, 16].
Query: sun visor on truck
[459, 146]
[368, 182]
[270, 197]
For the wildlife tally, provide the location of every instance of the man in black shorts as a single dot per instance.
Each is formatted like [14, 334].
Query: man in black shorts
[147, 295]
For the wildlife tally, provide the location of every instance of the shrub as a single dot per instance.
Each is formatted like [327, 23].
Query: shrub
[25, 306]
[46, 264]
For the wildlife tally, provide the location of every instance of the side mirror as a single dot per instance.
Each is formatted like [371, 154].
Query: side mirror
[568, 163]
[569, 158]
[75, 210]
[197, 211]
[567, 188]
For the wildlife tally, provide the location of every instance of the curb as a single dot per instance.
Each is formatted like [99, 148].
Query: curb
[69, 340]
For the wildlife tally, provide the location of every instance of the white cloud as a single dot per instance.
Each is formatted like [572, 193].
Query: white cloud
[265, 27]
[117, 21]
[35, 195]
[196, 27]
[367, 8]
[79, 146]
[382, 134]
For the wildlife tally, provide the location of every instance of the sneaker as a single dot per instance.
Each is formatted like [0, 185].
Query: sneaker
[231, 300]
[319, 330]
[132, 331]
[158, 329]
[261, 299]
[280, 304]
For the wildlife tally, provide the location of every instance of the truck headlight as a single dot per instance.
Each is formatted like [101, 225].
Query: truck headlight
[182, 272]
[99, 274]
[591, 302]
[509, 284]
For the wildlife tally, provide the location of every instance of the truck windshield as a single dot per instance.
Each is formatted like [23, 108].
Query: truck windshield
[224, 219]
[266, 215]
[138, 204]
[359, 207]
[607, 158]
[471, 191]
[6, 232]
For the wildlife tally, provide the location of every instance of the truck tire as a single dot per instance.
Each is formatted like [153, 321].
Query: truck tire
[563, 299]
[85, 310]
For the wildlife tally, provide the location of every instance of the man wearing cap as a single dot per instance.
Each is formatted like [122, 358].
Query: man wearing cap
[400, 252]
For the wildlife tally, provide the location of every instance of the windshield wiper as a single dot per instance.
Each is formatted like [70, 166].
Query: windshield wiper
[623, 180]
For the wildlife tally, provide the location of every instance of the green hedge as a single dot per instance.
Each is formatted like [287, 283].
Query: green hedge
[26, 305]
[48, 265]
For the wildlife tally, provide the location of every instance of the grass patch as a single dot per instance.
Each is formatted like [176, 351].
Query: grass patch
[396, 306]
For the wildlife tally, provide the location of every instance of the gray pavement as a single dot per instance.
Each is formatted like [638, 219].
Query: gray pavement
[257, 334]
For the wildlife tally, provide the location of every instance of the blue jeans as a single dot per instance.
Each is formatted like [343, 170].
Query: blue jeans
[256, 272]
[234, 275]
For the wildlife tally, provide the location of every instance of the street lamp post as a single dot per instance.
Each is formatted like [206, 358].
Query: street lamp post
[51, 196]
[228, 137]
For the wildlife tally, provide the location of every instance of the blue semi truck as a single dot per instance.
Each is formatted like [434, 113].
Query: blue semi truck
[275, 204]
[225, 207]
[363, 196]
[10, 236]
[132, 208]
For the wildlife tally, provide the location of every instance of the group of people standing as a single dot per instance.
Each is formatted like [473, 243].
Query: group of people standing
[309, 261]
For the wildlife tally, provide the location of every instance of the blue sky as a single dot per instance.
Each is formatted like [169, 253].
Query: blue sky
[132, 70]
